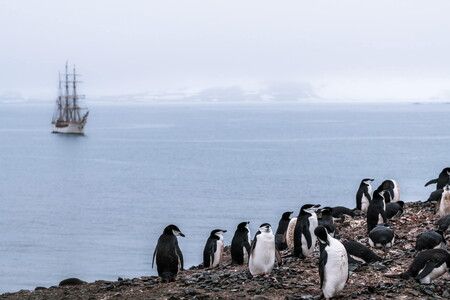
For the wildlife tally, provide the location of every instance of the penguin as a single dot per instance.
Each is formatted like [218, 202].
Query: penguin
[338, 212]
[169, 258]
[444, 204]
[435, 196]
[394, 209]
[290, 234]
[430, 240]
[360, 253]
[364, 194]
[333, 264]
[442, 180]
[444, 223]
[381, 236]
[280, 235]
[326, 221]
[427, 266]
[376, 213]
[262, 253]
[304, 237]
[212, 253]
[393, 189]
[240, 244]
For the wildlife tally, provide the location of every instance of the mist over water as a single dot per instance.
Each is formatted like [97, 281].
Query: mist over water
[93, 206]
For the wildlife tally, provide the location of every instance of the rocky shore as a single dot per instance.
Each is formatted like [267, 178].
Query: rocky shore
[295, 279]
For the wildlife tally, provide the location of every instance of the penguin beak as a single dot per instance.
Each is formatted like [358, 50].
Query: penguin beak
[181, 234]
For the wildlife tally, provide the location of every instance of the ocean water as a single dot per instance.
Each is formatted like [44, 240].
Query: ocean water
[93, 206]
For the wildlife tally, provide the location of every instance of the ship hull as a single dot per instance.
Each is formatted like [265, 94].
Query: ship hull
[71, 128]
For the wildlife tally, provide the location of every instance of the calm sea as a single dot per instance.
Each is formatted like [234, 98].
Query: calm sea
[93, 206]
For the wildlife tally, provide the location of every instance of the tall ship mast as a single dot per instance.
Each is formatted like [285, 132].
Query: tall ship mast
[68, 116]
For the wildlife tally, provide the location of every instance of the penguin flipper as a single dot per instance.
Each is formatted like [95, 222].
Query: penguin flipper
[383, 215]
[322, 262]
[431, 182]
[307, 234]
[247, 246]
[252, 247]
[429, 266]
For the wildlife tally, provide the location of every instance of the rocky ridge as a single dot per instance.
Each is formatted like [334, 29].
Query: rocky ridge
[295, 279]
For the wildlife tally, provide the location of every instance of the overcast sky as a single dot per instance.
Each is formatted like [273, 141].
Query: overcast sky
[354, 49]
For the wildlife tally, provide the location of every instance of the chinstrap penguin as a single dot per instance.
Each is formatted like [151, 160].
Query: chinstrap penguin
[381, 236]
[240, 244]
[444, 223]
[212, 253]
[262, 253]
[426, 266]
[333, 264]
[430, 240]
[339, 212]
[360, 253]
[442, 180]
[392, 188]
[364, 194]
[304, 237]
[169, 259]
[280, 235]
[394, 209]
[376, 213]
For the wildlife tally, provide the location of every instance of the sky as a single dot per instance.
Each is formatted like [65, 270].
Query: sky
[346, 49]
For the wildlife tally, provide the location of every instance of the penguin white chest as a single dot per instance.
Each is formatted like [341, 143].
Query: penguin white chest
[435, 273]
[364, 203]
[444, 206]
[313, 223]
[218, 253]
[262, 258]
[336, 269]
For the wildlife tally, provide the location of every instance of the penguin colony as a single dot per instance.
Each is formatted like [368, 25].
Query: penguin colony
[297, 237]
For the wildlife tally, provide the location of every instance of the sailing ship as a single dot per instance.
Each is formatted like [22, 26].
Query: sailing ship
[68, 116]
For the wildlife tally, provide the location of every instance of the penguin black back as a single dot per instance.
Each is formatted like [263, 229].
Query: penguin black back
[442, 180]
[381, 236]
[211, 247]
[340, 211]
[360, 253]
[394, 209]
[376, 210]
[430, 240]
[387, 186]
[363, 195]
[444, 223]
[169, 258]
[240, 242]
[425, 262]
[280, 235]
[304, 228]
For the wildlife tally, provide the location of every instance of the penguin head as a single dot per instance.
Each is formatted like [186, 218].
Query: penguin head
[173, 230]
[401, 203]
[446, 170]
[309, 208]
[367, 181]
[218, 232]
[379, 194]
[265, 227]
[287, 215]
[325, 210]
[243, 226]
[322, 234]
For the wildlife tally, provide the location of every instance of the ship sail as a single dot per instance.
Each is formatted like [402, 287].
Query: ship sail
[69, 117]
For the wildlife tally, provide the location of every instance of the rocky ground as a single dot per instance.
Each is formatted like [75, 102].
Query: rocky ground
[295, 279]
